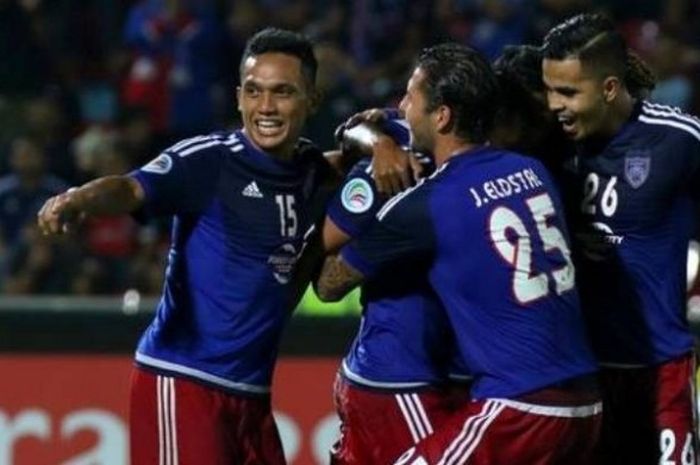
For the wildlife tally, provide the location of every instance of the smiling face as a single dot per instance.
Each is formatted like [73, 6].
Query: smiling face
[577, 98]
[274, 100]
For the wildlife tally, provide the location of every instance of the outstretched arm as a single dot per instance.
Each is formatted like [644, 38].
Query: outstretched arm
[109, 195]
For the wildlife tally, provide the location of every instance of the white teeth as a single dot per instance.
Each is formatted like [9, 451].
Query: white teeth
[565, 119]
[269, 124]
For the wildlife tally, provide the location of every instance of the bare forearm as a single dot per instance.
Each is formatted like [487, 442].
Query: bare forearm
[337, 278]
[307, 270]
[110, 195]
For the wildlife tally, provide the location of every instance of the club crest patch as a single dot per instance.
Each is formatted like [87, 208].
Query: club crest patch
[159, 165]
[637, 167]
[357, 196]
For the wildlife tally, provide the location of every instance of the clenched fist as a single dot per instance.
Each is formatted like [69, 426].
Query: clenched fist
[61, 214]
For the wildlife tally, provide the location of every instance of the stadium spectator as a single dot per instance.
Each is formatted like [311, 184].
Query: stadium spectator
[26, 63]
[25, 189]
[669, 59]
[174, 67]
[497, 23]
[635, 178]
[111, 240]
[36, 265]
[146, 270]
[46, 119]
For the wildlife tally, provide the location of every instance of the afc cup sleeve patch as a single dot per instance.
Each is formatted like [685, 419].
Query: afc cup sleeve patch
[357, 195]
[159, 165]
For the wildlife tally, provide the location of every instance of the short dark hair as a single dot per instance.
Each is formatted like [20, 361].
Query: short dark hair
[521, 66]
[592, 39]
[519, 73]
[462, 79]
[274, 40]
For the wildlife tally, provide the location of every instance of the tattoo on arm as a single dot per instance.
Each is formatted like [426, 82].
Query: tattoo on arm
[337, 279]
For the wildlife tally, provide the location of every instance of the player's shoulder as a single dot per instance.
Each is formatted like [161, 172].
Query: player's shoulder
[216, 143]
[671, 121]
[487, 161]
[412, 199]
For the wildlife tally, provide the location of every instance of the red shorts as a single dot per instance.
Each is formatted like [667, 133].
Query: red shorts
[649, 414]
[377, 426]
[174, 421]
[498, 431]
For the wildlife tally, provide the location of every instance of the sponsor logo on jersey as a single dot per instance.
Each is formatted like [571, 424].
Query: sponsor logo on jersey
[357, 196]
[282, 262]
[637, 168]
[159, 165]
[252, 190]
[599, 241]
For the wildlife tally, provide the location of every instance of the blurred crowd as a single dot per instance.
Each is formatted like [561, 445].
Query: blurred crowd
[96, 87]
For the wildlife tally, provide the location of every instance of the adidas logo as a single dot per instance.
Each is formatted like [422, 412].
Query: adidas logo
[252, 190]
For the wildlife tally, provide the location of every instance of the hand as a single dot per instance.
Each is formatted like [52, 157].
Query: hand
[60, 214]
[392, 167]
[373, 115]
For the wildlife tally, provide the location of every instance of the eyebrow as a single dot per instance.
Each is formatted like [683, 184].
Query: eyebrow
[268, 84]
[567, 89]
[559, 88]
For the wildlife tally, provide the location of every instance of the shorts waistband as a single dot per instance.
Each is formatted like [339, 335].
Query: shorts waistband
[578, 411]
[582, 390]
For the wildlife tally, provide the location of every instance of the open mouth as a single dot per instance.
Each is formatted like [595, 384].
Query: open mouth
[268, 127]
[568, 122]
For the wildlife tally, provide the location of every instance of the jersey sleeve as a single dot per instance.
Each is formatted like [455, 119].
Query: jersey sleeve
[355, 204]
[398, 130]
[691, 149]
[182, 179]
[403, 232]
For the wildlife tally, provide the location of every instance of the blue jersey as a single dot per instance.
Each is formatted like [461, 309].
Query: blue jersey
[239, 220]
[404, 337]
[488, 224]
[633, 214]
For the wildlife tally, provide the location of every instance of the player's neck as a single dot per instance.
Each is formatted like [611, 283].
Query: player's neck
[282, 153]
[620, 113]
[450, 147]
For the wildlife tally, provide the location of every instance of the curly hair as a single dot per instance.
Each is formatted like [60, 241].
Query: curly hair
[640, 79]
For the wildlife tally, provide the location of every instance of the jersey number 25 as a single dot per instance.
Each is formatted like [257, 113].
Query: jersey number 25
[528, 284]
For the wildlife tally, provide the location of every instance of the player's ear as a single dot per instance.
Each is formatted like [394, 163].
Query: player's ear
[238, 98]
[315, 99]
[443, 119]
[611, 88]
[315, 96]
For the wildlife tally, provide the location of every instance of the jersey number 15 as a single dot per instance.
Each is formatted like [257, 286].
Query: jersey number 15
[288, 215]
[528, 284]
